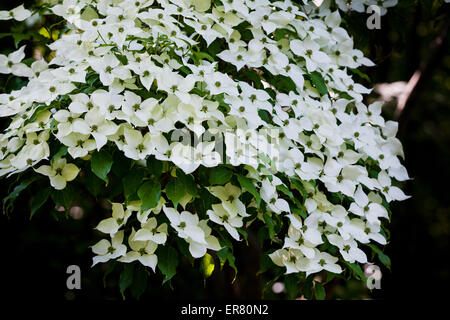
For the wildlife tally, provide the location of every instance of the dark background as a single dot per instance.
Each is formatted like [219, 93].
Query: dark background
[35, 254]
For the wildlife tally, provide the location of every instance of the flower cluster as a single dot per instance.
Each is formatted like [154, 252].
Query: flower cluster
[268, 80]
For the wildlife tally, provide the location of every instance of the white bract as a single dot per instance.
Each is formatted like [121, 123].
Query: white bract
[59, 172]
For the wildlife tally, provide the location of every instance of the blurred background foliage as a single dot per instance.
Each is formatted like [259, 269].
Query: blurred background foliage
[36, 253]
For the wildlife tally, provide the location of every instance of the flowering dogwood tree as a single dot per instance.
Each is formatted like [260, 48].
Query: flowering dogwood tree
[201, 121]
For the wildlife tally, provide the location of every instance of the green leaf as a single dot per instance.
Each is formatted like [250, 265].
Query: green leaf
[126, 278]
[361, 74]
[149, 193]
[3, 35]
[203, 55]
[101, 163]
[248, 185]
[167, 262]
[319, 291]
[19, 37]
[61, 153]
[307, 288]
[9, 200]
[111, 266]
[155, 166]
[299, 210]
[64, 197]
[225, 254]
[269, 224]
[175, 191]
[220, 175]
[188, 182]
[264, 114]
[291, 283]
[39, 199]
[123, 59]
[285, 190]
[319, 82]
[140, 281]
[93, 183]
[132, 181]
[207, 265]
[384, 259]
[266, 263]
[297, 184]
[357, 271]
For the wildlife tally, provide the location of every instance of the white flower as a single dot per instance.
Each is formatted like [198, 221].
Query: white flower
[295, 240]
[389, 191]
[324, 261]
[190, 158]
[370, 210]
[118, 219]
[142, 251]
[195, 232]
[311, 52]
[79, 144]
[292, 259]
[229, 195]
[219, 215]
[348, 248]
[270, 196]
[186, 224]
[12, 63]
[137, 147]
[59, 172]
[150, 231]
[106, 250]
[19, 13]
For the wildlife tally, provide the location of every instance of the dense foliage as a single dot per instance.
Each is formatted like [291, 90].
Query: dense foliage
[275, 136]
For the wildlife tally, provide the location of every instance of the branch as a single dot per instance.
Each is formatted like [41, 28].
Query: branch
[421, 77]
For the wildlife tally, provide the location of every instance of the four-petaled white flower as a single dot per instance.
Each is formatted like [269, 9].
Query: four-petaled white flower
[59, 172]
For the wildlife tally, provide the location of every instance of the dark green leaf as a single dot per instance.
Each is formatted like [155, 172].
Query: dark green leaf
[175, 191]
[39, 199]
[319, 291]
[248, 185]
[155, 166]
[8, 201]
[64, 197]
[126, 278]
[357, 271]
[167, 262]
[384, 259]
[61, 153]
[291, 283]
[132, 181]
[93, 183]
[220, 175]
[319, 82]
[269, 224]
[188, 182]
[101, 163]
[149, 193]
[307, 288]
[225, 254]
[361, 74]
[285, 190]
[140, 281]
